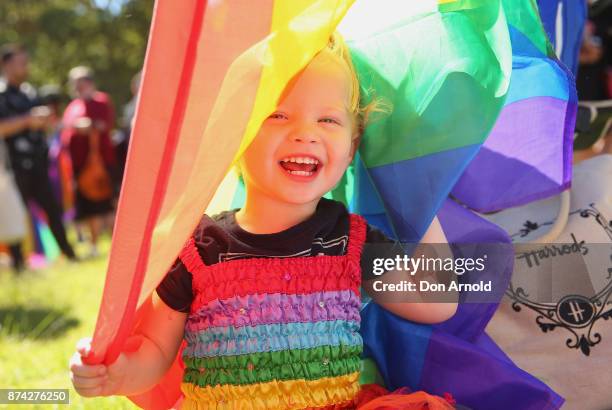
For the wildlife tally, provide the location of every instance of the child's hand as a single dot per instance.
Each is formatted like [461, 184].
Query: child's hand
[96, 380]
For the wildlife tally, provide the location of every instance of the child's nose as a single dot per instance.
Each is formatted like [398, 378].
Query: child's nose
[305, 134]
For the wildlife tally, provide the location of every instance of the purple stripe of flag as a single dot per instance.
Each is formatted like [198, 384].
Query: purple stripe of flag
[523, 160]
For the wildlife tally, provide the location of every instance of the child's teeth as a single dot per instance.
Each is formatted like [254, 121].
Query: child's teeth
[301, 173]
[301, 160]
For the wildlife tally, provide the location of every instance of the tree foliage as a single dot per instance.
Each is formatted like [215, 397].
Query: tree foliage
[61, 34]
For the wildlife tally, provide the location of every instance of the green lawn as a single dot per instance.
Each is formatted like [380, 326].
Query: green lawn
[42, 315]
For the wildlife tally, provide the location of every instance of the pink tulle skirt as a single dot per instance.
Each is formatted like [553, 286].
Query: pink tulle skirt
[373, 396]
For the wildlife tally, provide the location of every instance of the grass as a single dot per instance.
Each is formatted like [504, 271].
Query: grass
[42, 315]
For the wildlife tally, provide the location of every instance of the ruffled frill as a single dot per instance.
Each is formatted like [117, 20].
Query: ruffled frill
[262, 278]
[292, 394]
[226, 341]
[252, 310]
[299, 275]
[309, 364]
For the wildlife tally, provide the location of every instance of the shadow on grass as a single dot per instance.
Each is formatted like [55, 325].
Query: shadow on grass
[34, 323]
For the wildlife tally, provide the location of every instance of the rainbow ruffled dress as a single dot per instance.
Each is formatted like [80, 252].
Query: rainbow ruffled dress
[274, 333]
[281, 333]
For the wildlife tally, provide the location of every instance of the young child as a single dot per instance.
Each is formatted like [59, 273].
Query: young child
[267, 298]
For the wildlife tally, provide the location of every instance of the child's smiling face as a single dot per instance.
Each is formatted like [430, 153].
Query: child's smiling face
[304, 147]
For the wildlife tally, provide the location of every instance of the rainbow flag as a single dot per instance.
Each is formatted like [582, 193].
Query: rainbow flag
[215, 70]
[457, 356]
[528, 155]
[447, 88]
[402, 179]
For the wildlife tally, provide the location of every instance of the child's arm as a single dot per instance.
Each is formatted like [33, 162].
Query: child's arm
[421, 312]
[162, 332]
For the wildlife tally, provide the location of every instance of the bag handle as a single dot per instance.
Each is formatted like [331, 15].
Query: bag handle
[560, 221]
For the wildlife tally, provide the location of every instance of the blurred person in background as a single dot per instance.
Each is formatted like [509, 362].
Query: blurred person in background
[87, 123]
[13, 216]
[59, 163]
[129, 110]
[594, 78]
[23, 122]
[600, 14]
[50, 95]
[594, 84]
[591, 77]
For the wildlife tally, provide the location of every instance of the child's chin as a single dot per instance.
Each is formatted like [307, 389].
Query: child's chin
[302, 197]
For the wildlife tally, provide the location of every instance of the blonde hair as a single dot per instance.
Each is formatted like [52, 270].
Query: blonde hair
[339, 50]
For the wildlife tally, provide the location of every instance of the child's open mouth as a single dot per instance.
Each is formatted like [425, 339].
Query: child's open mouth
[300, 166]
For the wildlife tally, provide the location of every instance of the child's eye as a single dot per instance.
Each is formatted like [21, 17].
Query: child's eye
[329, 120]
[277, 116]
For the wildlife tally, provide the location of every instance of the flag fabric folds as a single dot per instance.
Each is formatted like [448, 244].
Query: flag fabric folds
[215, 70]
[528, 159]
[446, 72]
[457, 356]
[212, 74]
[564, 23]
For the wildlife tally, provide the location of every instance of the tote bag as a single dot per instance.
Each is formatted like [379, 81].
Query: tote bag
[554, 321]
